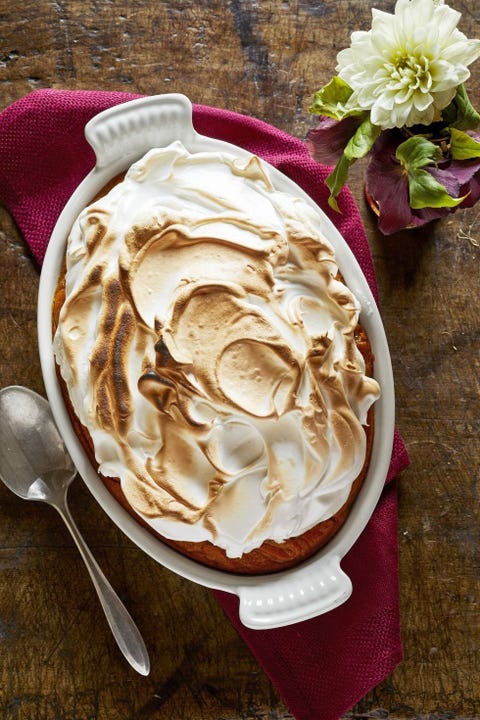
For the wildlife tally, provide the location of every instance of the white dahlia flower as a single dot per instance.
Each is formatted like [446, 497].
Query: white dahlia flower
[407, 68]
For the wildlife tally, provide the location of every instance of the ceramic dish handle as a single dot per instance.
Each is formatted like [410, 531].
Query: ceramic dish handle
[127, 131]
[311, 591]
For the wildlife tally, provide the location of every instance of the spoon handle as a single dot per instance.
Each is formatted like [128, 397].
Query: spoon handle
[123, 627]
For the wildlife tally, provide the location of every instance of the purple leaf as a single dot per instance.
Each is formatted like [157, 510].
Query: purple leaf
[387, 185]
[326, 143]
[448, 179]
[473, 190]
[460, 178]
[462, 170]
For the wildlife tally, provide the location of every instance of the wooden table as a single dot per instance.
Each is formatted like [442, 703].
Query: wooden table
[57, 658]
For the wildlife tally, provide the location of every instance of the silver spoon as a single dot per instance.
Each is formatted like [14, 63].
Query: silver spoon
[35, 464]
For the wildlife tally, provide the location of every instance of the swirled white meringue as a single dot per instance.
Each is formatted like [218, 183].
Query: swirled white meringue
[209, 350]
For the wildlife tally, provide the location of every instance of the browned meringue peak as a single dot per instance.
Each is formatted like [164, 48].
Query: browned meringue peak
[209, 349]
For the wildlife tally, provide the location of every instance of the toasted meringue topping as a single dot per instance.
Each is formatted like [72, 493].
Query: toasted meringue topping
[209, 350]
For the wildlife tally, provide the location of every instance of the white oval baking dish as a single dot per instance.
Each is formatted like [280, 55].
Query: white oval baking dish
[119, 136]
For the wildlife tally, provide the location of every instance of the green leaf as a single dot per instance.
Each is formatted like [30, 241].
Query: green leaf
[332, 100]
[337, 179]
[357, 147]
[425, 191]
[415, 154]
[460, 113]
[362, 141]
[463, 146]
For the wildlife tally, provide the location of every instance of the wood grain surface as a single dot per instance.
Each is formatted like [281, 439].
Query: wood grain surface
[57, 658]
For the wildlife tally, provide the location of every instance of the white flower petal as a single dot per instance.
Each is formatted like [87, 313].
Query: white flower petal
[421, 101]
[403, 95]
[442, 99]
[447, 20]
[387, 101]
[462, 52]
[445, 75]
[381, 117]
[424, 117]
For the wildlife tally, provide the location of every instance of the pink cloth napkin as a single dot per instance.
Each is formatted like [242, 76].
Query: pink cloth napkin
[323, 666]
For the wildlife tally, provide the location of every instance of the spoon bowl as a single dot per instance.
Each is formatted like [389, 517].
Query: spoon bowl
[30, 445]
[35, 465]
